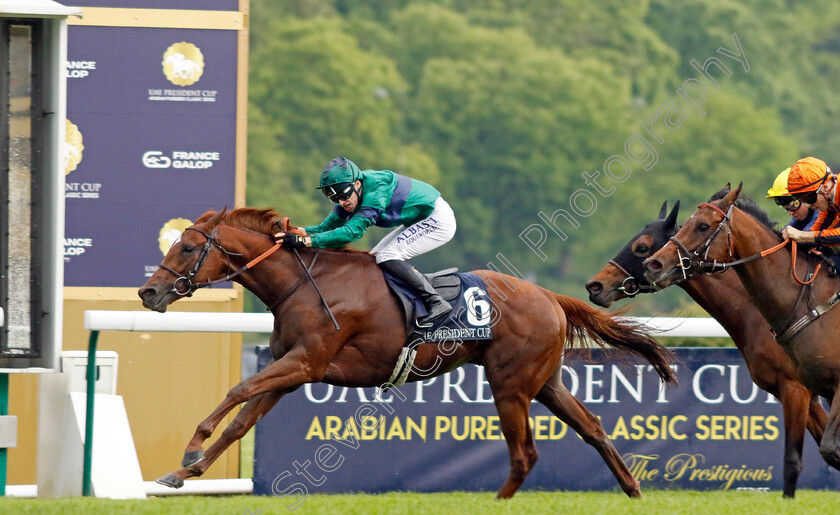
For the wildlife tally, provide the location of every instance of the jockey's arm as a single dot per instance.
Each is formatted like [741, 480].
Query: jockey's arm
[329, 223]
[797, 235]
[829, 237]
[351, 231]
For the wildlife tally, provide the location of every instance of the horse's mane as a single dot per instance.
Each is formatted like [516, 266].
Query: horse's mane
[262, 220]
[750, 207]
[258, 220]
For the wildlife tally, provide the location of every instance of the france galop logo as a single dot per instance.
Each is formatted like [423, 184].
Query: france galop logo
[73, 147]
[183, 63]
[171, 232]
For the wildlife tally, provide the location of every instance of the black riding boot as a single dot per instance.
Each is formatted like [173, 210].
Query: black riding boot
[435, 304]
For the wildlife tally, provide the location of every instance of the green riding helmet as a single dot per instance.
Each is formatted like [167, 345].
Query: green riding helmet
[339, 170]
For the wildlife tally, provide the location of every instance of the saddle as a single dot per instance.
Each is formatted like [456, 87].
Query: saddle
[469, 319]
[445, 282]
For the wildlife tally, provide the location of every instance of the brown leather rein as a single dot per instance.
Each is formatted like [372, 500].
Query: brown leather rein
[191, 287]
[690, 260]
[187, 280]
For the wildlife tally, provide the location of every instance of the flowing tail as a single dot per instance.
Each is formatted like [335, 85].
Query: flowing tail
[603, 328]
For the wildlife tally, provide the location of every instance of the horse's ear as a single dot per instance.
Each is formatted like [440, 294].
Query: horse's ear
[283, 225]
[671, 221]
[218, 216]
[663, 210]
[732, 196]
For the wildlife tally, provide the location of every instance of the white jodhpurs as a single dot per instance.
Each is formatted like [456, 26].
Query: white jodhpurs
[404, 243]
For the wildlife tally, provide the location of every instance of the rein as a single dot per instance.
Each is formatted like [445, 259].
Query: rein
[211, 242]
[191, 287]
[714, 266]
[792, 327]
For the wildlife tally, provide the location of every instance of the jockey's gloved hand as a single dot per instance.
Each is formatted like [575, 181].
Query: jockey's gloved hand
[293, 241]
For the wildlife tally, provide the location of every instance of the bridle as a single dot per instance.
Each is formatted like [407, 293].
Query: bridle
[630, 285]
[792, 326]
[189, 287]
[692, 258]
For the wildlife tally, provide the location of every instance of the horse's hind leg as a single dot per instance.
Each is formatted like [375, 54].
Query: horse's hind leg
[195, 463]
[567, 408]
[513, 419]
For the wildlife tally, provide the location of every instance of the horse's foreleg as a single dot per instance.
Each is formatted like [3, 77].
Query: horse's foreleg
[513, 419]
[795, 401]
[830, 443]
[281, 375]
[817, 418]
[567, 408]
[199, 462]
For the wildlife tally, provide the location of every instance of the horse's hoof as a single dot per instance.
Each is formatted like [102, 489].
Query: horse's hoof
[192, 457]
[170, 480]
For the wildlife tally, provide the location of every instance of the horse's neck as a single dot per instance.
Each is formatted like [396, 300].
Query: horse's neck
[723, 296]
[268, 278]
[768, 279]
[283, 276]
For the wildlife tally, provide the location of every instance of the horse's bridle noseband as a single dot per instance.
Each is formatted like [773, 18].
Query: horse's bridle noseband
[187, 280]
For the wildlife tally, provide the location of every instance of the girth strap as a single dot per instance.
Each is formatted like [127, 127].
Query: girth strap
[802, 323]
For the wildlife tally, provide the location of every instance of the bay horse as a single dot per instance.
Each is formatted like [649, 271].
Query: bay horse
[727, 301]
[719, 235]
[522, 360]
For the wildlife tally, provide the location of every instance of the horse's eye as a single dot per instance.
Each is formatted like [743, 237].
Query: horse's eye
[641, 249]
[187, 249]
[702, 227]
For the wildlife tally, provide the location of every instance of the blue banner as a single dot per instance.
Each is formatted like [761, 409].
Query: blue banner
[715, 431]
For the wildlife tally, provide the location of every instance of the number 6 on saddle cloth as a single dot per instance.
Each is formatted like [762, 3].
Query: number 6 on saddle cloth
[470, 318]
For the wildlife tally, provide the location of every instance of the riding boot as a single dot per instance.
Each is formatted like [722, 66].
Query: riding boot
[435, 305]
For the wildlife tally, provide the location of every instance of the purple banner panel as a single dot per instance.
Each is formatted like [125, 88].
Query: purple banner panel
[715, 431]
[173, 72]
[135, 175]
[151, 145]
[206, 5]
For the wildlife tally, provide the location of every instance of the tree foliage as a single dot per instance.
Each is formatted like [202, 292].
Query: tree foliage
[504, 105]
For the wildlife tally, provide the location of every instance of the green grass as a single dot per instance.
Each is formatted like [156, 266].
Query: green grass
[246, 454]
[664, 501]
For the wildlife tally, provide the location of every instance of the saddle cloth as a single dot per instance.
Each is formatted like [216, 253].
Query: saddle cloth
[470, 315]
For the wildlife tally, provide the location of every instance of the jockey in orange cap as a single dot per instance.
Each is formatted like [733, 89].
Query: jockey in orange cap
[811, 181]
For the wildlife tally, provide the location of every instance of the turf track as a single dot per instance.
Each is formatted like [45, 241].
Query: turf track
[665, 502]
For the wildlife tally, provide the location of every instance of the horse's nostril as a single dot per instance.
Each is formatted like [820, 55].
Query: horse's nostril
[145, 293]
[594, 287]
[653, 265]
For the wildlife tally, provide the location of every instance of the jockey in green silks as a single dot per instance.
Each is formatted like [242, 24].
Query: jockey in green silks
[423, 221]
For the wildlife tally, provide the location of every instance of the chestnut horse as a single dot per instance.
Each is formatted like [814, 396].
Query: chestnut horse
[522, 360]
[725, 299]
[719, 235]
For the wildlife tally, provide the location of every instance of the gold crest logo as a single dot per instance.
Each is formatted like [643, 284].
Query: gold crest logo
[183, 63]
[171, 232]
[73, 147]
